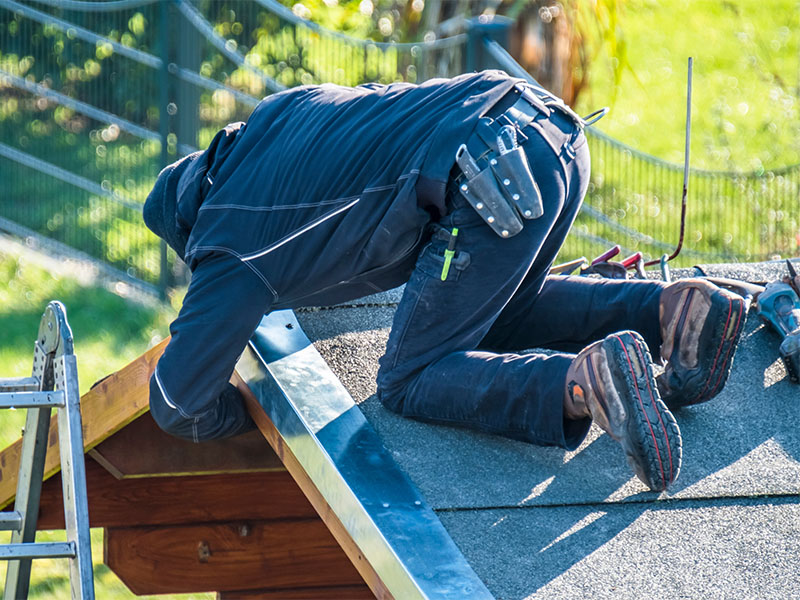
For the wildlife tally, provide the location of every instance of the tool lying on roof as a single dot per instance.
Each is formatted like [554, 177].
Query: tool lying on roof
[615, 269]
[779, 305]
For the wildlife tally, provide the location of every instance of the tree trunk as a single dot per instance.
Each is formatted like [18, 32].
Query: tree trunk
[541, 41]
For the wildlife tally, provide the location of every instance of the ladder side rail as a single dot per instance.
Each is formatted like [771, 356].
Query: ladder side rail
[73, 478]
[29, 483]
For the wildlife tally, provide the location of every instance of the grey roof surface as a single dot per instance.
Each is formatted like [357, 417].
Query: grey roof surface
[540, 522]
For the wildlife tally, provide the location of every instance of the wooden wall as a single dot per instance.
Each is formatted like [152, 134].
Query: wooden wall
[241, 532]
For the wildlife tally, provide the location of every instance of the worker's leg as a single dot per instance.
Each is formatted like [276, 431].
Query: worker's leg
[693, 326]
[431, 369]
[568, 313]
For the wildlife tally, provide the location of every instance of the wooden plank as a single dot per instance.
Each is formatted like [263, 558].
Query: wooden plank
[226, 556]
[160, 454]
[175, 500]
[329, 593]
[267, 428]
[105, 409]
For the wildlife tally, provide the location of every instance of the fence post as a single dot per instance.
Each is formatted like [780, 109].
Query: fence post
[482, 28]
[163, 126]
[188, 51]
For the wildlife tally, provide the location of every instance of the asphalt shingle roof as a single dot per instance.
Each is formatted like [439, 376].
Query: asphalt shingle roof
[540, 522]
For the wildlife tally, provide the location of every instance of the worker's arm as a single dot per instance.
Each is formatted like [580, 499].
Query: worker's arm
[190, 396]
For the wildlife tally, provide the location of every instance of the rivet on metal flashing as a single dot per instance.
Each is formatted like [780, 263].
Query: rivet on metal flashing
[479, 206]
[490, 219]
[505, 233]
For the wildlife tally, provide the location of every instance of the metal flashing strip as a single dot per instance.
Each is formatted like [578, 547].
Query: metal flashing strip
[380, 509]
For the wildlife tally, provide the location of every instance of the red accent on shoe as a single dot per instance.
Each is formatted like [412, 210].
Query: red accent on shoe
[727, 354]
[658, 414]
[641, 403]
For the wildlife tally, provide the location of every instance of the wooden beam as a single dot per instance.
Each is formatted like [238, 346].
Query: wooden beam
[340, 533]
[105, 409]
[175, 500]
[159, 454]
[227, 556]
[349, 592]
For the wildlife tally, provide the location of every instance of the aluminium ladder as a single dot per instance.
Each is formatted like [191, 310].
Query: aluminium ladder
[53, 384]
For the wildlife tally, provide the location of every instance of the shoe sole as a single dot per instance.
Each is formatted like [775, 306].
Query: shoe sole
[726, 319]
[650, 436]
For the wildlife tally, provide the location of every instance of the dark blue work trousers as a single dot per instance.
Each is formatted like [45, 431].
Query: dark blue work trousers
[453, 354]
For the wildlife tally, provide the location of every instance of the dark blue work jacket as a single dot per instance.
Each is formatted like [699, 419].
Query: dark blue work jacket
[322, 196]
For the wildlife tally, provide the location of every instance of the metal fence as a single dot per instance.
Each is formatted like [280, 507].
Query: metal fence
[95, 97]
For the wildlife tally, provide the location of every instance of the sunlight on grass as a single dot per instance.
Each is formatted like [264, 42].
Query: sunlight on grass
[745, 105]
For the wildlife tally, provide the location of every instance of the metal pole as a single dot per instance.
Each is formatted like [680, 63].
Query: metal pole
[677, 251]
[688, 131]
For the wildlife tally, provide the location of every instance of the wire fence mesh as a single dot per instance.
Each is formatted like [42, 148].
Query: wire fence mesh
[96, 97]
[79, 131]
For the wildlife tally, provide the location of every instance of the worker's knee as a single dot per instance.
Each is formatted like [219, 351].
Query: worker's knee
[169, 419]
[391, 396]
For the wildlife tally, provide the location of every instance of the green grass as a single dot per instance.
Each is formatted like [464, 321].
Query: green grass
[746, 111]
[109, 332]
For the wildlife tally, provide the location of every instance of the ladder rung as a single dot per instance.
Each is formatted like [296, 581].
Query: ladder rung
[19, 384]
[32, 399]
[37, 550]
[10, 520]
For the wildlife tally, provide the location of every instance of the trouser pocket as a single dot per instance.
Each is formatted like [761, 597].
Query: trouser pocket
[433, 262]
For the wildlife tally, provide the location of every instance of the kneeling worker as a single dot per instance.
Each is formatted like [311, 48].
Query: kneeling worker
[463, 189]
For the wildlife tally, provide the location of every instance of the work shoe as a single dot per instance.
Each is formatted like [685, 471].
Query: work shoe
[612, 381]
[700, 329]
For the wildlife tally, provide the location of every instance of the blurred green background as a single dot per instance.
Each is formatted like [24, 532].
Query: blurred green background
[746, 115]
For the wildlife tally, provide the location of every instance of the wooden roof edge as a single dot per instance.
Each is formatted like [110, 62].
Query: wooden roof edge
[105, 409]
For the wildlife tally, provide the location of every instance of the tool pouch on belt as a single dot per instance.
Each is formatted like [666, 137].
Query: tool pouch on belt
[481, 190]
[511, 168]
[502, 189]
